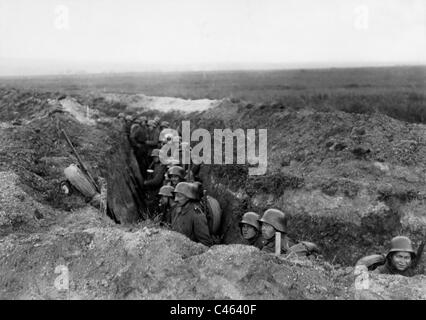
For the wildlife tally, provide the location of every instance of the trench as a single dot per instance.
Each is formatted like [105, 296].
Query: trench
[342, 242]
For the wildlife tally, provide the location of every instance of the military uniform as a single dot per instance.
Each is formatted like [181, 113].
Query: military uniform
[157, 180]
[152, 138]
[399, 244]
[167, 213]
[256, 241]
[138, 134]
[388, 268]
[191, 221]
[269, 245]
[127, 126]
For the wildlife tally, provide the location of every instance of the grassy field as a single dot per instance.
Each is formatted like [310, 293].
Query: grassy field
[396, 91]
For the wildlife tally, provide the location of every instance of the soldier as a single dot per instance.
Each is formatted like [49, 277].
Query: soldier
[175, 175]
[152, 135]
[167, 203]
[128, 123]
[164, 125]
[188, 217]
[157, 121]
[400, 258]
[138, 134]
[250, 229]
[138, 131]
[274, 220]
[158, 172]
[121, 120]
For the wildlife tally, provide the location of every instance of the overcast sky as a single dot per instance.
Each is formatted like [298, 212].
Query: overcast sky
[50, 36]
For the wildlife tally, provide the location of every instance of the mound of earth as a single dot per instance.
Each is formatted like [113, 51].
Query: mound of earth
[387, 287]
[81, 256]
[140, 102]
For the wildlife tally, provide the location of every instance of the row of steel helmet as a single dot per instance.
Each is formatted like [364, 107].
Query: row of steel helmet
[133, 122]
[269, 234]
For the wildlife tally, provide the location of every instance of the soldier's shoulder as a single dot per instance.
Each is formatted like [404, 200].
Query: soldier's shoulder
[196, 207]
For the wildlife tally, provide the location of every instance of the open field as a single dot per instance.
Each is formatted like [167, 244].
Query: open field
[399, 92]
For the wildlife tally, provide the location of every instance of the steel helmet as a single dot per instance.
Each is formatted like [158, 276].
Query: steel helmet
[165, 124]
[155, 153]
[252, 219]
[275, 218]
[176, 170]
[152, 123]
[143, 119]
[157, 119]
[128, 118]
[166, 191]
[187, 189]
[120, 116]
[401, 243]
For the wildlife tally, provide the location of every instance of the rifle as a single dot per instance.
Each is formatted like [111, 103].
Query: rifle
[83, 167]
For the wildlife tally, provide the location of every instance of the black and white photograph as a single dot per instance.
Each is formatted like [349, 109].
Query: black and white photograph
[214, 155]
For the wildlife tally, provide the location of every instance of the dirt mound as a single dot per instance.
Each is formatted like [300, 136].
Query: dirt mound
[386, 287]
[139, 102]
[97, 262]
[19, 212]
[32, 144]
[78, 111]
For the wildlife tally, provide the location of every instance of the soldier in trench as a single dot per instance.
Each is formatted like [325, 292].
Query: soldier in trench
[152, 136]
[272, 221]
[167, 203]
[138, 134]
[250, 229]
[154, 183]
[401, 259]
[158, 173]
[175, 175]
[187, 217]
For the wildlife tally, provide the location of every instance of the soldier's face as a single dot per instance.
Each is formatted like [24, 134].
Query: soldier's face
[164, 200]
[180, 199]
[156, 159]
[401, 260]
[248, 231]
[174, 179]
[268, 231]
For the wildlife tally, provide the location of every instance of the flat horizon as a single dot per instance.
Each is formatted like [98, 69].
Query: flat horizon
[266, 67]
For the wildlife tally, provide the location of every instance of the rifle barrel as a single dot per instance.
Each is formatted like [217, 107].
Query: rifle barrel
[83, 167]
